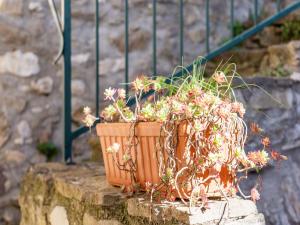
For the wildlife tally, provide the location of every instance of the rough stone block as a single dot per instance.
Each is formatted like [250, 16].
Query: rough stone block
[218, 210]
[14, 7]
[275, 99]
[58, 216]
[69, 195]
[90, 220]
[19, 63]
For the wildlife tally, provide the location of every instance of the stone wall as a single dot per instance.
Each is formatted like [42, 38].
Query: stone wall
[276, 109]
[55, 194]
[31, 86]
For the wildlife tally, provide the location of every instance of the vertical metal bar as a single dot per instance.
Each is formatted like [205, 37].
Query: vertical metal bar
[232, 17]
[126, 47]
[255, 11]
[67, 110]
[154, 37]
[207, 26]
[181, 31]
[97, 57]
[278, 2]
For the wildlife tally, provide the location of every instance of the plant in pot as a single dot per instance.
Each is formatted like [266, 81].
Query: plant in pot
[187, 140]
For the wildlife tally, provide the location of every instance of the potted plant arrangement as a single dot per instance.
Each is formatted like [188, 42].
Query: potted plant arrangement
[187, 140]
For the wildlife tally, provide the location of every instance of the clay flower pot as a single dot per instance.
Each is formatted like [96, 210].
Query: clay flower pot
[148, 135]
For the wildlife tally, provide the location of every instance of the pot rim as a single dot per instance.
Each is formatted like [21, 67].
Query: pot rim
[152, 129]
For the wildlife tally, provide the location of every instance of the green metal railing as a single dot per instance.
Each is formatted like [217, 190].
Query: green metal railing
[64, 27]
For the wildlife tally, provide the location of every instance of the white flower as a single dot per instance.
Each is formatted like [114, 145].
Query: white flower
[109, 93]
[89, 120]
[87, 110]
[126, 157]
[114, 148]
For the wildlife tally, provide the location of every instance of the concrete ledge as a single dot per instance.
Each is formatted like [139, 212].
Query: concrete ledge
[55, 194]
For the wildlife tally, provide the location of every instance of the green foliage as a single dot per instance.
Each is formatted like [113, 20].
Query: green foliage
[290, 30]
[48, 149]
[238, 28]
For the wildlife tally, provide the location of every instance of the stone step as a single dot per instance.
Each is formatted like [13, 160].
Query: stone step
[278, 60]
[56, 194]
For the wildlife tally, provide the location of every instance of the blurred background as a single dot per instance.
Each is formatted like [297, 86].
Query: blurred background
[31, 85]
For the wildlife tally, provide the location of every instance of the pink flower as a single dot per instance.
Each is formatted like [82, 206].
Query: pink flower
[148, 186]
[266, 141]
[223, 111]
[178, 107]
[255, 194]
[238, 107]
[277, 156]
[200, 126]
[255, 129]
[219, 77]
[259, 158]
[121, 93]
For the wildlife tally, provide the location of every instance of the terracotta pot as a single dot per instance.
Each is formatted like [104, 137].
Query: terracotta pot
[148, 135]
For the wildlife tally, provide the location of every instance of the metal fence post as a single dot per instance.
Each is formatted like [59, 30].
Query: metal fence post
[126, 47]
[67, 96]
[97, 57]
[154, 37]
[207, 25]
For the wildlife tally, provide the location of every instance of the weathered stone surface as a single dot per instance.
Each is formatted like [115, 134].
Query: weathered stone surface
[235, 208]
[249, 220]
[16, 103]
[80, 58]
[11, 6]
[35, 6]
[78, 87]
[13, 157]
[139, 39]
[2, 183]
[24, 131]
[269, 36]
[58, 216]
[90, 220]
[80, 195]
[9, 198]
[19, 63]
[277, 99]
[285, 54]
[291, 199]
[11, 215]
[4, 129]
[291, 146]
[297, 96]
[109, 66]
[43, 85]
[295, 76]
[195, 35]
